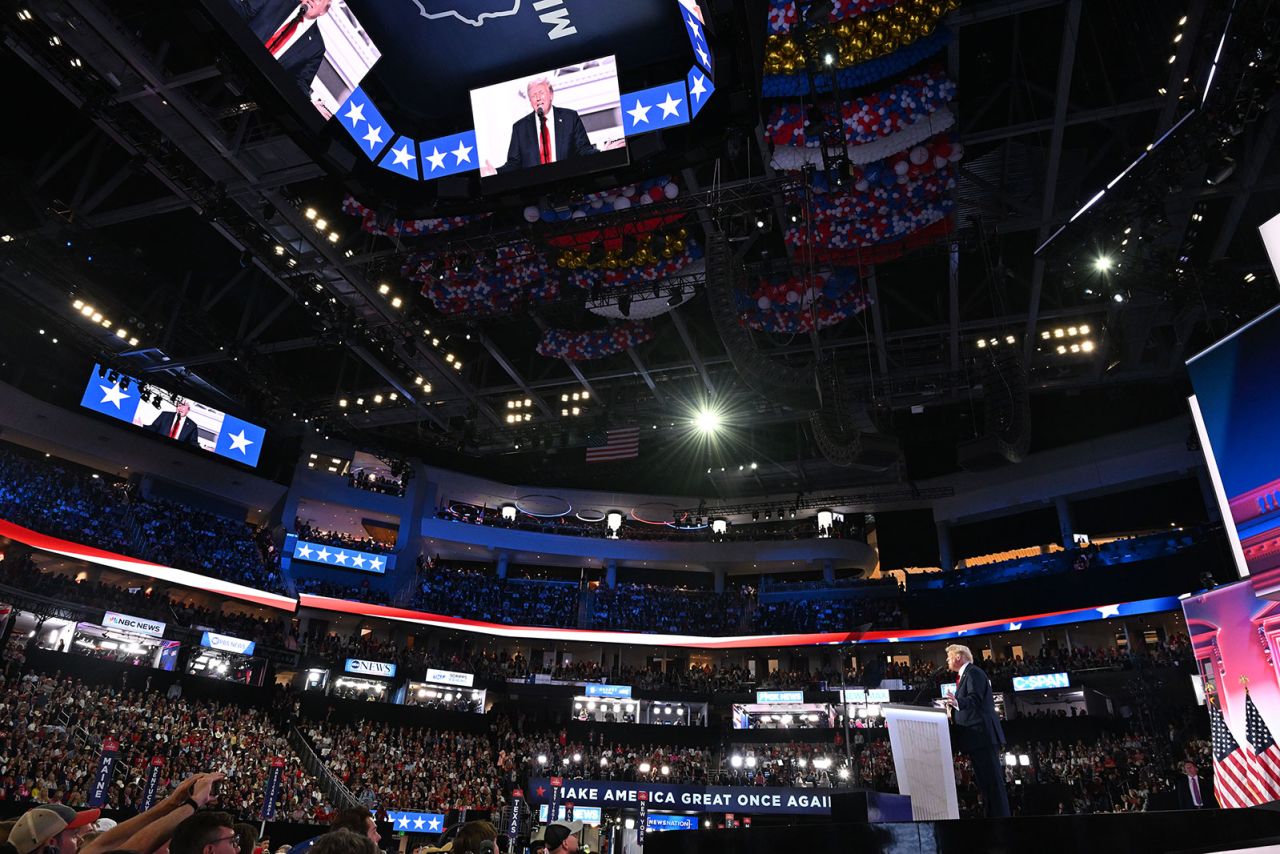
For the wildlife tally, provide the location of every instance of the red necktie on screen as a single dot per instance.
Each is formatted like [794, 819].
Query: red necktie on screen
[546, 141]
[173, 433]
[286, 31]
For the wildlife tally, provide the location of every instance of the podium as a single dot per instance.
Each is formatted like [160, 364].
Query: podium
[921, 744]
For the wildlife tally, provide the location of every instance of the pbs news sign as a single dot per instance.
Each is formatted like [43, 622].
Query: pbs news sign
[712, 799]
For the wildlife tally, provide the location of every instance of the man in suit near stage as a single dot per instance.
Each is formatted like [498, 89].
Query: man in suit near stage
[177, 425]
[1194, 792]
[547, 134]
[289, 30]
[978, 731]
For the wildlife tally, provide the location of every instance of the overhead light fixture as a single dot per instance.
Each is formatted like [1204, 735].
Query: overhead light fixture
[310, 213]
[1102, 264]
[396, 302]
[377, 398]
[343, 403]
[707, 421]
[322, 224]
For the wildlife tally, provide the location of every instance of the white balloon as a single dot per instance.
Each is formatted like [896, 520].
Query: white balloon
[957, 151]
[597, 203]
[793, 296]
[532, 214]
[578, 214]
[919, 155]
[764, 303]
[629, 190]
[900, 167]
[939, 162]
[670, 190]
[621, 203]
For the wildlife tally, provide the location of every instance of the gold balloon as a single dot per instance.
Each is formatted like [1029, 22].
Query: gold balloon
[666, 252]
[844, 29]
[895, 29]
[866, 53]
[889, 46]
[876, 37]
[788, 67]
[857, 43]
[682, 233]
[936, 9]
[862, 23]
[679, 246]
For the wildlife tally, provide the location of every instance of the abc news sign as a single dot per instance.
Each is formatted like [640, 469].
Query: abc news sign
[384, 669]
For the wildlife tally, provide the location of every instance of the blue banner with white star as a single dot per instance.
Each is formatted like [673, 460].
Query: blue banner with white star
[157, 410]
[448, 155]
[655, 109]
[402, 158]
[416, 822]
[362, 121]
[698, 41]
[700, 89]
[339, 557]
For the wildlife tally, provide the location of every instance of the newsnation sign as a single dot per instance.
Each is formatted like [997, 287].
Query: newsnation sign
[711, 799]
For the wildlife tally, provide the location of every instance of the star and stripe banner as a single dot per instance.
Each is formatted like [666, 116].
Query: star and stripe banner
[612, 445]
[362, 121]
[1264, 755]
[1230, 764]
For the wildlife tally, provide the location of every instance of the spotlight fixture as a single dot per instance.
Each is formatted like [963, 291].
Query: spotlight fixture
[707, 421]
[1103, 264]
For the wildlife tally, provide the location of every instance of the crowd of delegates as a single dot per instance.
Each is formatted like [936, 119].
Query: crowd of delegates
[19, 570]
[52, 729]
[306, 531]
[410, 768]
[87, 507]
[480, 596]
[828, 615]
[648, 607]
[362, 592]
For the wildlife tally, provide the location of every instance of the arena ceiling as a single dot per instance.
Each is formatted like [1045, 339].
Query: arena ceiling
[154, 172]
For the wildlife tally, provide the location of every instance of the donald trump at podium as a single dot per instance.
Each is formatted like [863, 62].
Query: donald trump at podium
[978, 730]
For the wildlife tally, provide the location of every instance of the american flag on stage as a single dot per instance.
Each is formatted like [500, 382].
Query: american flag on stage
[623, 444]
[1230, 764]
[1264, 762]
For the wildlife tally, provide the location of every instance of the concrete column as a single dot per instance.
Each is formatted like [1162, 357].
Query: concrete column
[611, 573]
[1066, 521]
[719, 580]
[946, 557]
[828, 571]
[504, 559]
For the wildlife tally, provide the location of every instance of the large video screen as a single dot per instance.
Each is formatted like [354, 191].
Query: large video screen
[177, 418]
[565, 121]
[1236, 413]
[320, 45]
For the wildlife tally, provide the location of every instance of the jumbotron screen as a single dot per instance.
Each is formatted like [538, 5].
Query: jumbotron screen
[569, 117]
[177, 418]
[1236, 412]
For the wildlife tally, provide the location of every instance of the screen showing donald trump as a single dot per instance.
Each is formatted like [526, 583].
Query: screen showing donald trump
[569, 116]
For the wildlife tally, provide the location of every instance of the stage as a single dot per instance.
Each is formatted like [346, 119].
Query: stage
[1120, 833]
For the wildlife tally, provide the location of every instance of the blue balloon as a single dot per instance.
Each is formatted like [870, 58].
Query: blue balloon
[548, 215]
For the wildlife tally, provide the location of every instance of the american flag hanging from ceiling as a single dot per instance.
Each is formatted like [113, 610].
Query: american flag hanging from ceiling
[622, 444]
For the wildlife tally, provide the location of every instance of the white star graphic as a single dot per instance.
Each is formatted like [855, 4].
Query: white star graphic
[703, 55]
[639, 114]
[239, 442]
[699, 87]
[670, 107]
[356, 114]
[461, 154]
[403, 821]
[304, 551]
[373, 137]
[113, 395]
[1013, 627]
[402, 155]
[433, 824]
[375, 563]
[323, 554]
[693, 25]
[419, 823]
[340, 557]
[436, 157]
[1109, 611]
[358, 561]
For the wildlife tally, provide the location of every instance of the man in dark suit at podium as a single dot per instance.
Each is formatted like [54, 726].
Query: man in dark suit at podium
[978, 731]
[1194, 792]
[288, 29]
[177, 425]
[548, 134]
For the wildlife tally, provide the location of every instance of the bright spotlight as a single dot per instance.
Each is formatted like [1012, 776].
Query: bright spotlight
[707, 421]
[1102, 264]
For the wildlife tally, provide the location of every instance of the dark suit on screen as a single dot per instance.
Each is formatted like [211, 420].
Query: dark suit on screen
[189, 434]
[1186, 802]
[979, 734]
[302, 59]
[571, 140]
